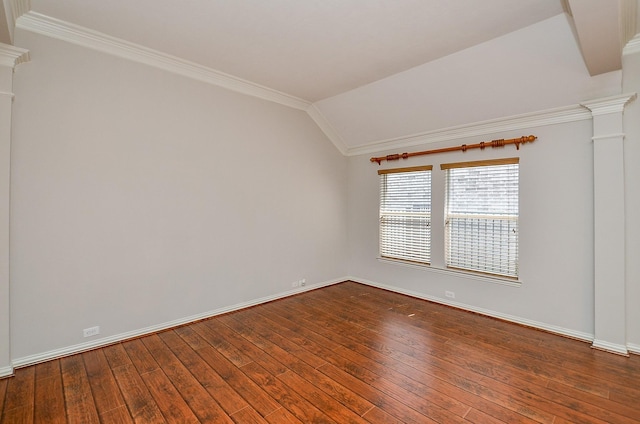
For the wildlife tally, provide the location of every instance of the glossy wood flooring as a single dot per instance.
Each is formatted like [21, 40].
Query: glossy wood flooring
[347, 353]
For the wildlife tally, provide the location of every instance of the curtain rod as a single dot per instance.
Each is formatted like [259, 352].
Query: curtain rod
[493, 143]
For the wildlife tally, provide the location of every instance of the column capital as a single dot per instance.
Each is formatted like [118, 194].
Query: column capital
[607, 105]
[12, 56]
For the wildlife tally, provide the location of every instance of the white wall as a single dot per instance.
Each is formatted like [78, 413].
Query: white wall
[140, 197]
[556, 231]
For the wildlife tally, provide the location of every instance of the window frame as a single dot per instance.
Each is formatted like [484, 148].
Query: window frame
[507, 268]
[383, 218]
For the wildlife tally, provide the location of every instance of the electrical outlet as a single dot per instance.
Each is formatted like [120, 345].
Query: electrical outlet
[303, 282]
[450, 294]
[92, 331]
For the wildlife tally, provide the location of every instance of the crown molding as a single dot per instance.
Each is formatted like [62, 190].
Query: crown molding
[511, 123]
[19, 8]
[12, 56]
[632, 46]
[13, 10]
[75, 34]
[61, 30]
[607, 105]
[326, 127]
[627, 18]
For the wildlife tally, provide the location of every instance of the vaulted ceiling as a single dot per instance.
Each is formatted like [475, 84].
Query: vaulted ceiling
[319, 50]
[311, 49]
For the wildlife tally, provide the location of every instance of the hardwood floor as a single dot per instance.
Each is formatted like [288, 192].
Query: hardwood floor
[347, 353]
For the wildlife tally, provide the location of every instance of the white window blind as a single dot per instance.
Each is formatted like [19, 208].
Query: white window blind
[405, 214]
[481, 216]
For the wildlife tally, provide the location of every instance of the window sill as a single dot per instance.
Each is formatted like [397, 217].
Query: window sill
[458, 273]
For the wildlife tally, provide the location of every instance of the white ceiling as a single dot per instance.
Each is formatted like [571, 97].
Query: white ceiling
[365, 70]
[311, 49]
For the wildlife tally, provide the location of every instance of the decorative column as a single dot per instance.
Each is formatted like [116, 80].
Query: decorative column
[9, 57]
[630, 84]
[609, 223]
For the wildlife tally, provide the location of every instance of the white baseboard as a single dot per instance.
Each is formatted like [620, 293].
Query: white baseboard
[633, 348]
[610, 347]
[6, 371]
[105, 341]
[82, 347]
[511, 318]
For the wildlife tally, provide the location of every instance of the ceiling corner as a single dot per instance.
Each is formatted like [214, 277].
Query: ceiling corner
[10, 11]
[602, 29]
[629, 10]
[325, 126]
[6, 35]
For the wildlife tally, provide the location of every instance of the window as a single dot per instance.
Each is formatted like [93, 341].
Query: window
[405, 214]
[481, 216]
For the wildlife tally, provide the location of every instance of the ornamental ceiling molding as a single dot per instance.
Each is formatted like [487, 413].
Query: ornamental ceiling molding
[75, 34]
[608, 105]
[323, 123]
[19, 8]
[633, 46]
[14, 9]
[12, 56]
[511, 123]
[78, 35]
[629, 26]
[629, 29]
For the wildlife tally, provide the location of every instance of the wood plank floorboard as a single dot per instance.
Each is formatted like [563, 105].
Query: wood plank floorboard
[347, 353]
[49, 398]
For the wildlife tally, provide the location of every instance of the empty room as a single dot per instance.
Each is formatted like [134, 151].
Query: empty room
[305, 211]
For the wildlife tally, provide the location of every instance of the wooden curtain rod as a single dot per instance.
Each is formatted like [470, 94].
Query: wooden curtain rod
[493, 143]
